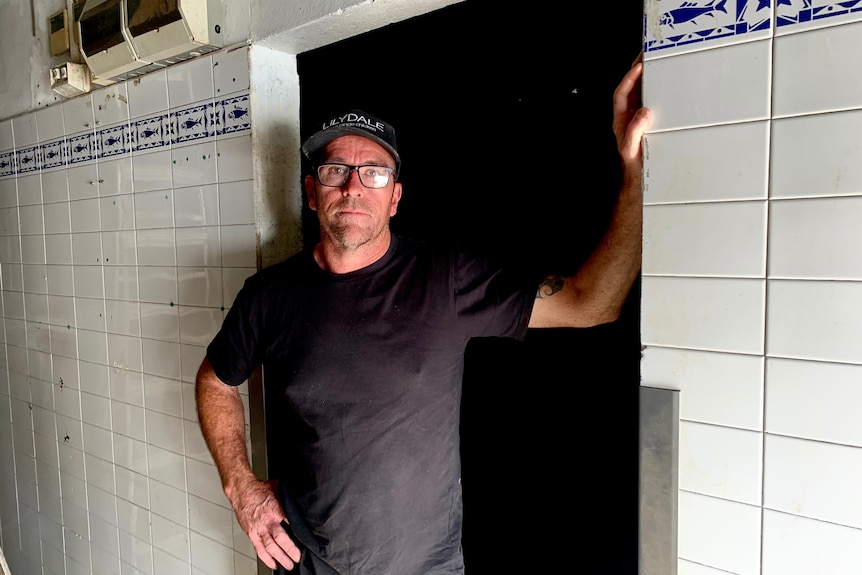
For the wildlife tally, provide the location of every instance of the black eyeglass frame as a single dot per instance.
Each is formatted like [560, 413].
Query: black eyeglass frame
[350, 168]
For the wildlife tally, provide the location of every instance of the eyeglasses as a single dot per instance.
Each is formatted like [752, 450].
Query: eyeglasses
[336, 175]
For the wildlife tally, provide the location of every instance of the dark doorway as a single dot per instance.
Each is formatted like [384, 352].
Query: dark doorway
[514, 108]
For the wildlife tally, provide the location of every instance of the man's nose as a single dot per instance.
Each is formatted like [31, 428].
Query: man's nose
[353, 186]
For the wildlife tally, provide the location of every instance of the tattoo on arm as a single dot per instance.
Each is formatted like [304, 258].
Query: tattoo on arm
[550, 285]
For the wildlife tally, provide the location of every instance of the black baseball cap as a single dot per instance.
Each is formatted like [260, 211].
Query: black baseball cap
[353, 123]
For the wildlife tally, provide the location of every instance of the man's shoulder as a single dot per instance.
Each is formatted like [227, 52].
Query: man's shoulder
[292, 269]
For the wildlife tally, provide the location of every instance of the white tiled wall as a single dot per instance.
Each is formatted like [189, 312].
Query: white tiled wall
[127, 226]
[752, 277]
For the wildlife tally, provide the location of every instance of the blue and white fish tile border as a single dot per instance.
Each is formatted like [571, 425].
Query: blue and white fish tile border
[791, 12]
[679, 23]
[227, 116]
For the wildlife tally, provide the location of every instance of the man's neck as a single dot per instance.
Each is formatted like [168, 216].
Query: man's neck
[339, 259]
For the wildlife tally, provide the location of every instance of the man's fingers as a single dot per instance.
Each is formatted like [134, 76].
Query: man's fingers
[277, 549]
[286, 543]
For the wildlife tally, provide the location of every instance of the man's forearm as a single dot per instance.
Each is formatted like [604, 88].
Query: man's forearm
[222, 420]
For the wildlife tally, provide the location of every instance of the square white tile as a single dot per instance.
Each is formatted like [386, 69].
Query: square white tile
[157, 247]
[239, 246]
[128, 420]
[167, 467]
[90, 313]
[31, 219]
[85, 215]
[24, 128]
[83, 181]
[60, 279]
[97, 442]
[152, 171]
[197, 206]
[164, 395]
[96, 410]
[200, 286]
[87, 249]
[234, 159]
[199, 246]
[190, 82]
[49, 123]
[33, 249]
[198, 325]
[194, 164]
[204, 482]
[130, 453]
[210, 556]
[196, 448]
[61, 310]
[819, 320]
[120, 248]
[161, 358]
[133, 519]
[124, 353]
[165, 431]
[814, 400]
[55, 185]
[110, 104]
[29, 189]
[708, 239]
[88, 279]
[816, 155]
[133, 487]
[78, 114]
[811, 70]
[123, 317]
[703, 313]
[719, 533]
[794, 545]
[169, 502]
[115, 176]
[117, 212]
[148, 94]
[94, 378]
[160, 321]
[813, 479]
[121, 282]
[9, 192]
[92, 346]
[7, 142]
[802, 232]
[57, 218]
[158, 284]
[230, 71]
[720, 461]
[154, 209]
[721, 86]
[170, 537]
[127, 386]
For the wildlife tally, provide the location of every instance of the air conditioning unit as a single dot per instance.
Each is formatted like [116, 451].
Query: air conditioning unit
[121, 39]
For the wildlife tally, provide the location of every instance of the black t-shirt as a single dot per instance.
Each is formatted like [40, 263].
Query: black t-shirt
[362, 376]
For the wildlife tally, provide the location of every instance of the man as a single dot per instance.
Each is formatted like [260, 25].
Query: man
[362, 342]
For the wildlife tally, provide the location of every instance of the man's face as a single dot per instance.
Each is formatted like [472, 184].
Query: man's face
[352, 215]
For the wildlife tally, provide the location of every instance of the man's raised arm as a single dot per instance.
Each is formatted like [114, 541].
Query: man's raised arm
[597, 292]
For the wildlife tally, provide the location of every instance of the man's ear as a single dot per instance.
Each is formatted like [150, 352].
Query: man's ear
[396, 197]
[310, 192]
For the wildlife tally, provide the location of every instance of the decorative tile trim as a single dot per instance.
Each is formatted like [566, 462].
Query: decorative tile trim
[684, 22]
[790, 12]
[226, 116]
